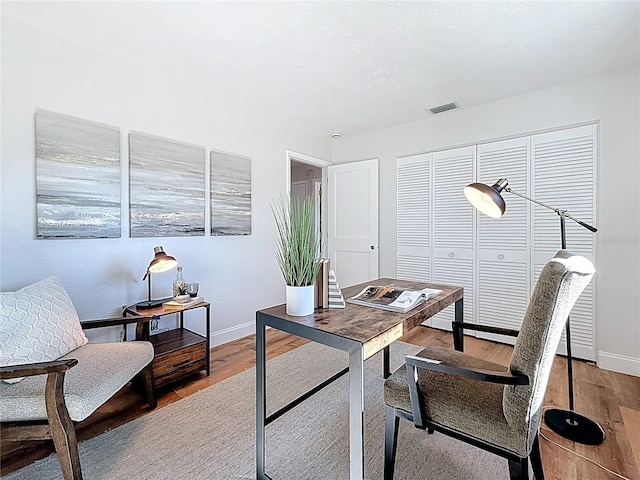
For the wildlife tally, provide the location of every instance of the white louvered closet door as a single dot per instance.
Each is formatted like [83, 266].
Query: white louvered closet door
[414, 217]
[502, 244]
[564, 166]
[453, 227]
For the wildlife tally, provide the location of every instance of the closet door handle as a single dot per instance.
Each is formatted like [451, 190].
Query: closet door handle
[451, 254]
[501, 257]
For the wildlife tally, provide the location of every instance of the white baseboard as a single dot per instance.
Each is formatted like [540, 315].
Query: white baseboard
[232, 333]
[619, 363]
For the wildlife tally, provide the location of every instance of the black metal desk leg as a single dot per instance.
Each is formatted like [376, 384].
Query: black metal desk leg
[458, 333]
[208, 335]
[261, 401]
[356, 414]
[386, 373]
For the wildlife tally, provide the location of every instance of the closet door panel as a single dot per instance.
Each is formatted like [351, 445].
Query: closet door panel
[564, 177]
[414, 267]
[453, 216]
[453, 228]
[414, 218]
[502, 243]
[459, 272]
[506, 159]
[564, 166]
[503, 296]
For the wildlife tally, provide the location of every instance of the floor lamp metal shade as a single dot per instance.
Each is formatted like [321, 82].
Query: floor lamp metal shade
[566, 423]
[161, 263]
[487, 199]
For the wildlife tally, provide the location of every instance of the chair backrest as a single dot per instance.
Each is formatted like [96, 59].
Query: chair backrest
[561, 282]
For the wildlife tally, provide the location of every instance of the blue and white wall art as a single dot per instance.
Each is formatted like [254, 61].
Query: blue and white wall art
[230, 194]
[166, 186]
[77, 178]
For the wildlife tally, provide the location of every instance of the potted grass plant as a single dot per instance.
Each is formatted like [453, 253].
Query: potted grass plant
[297, 251]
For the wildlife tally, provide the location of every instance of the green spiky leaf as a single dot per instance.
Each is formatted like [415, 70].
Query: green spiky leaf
[297, 247]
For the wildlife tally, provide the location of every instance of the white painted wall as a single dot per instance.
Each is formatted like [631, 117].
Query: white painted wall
[614, 101]
[238, 275]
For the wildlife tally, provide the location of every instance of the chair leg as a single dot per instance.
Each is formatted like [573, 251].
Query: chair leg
[536, 460]
[149, 385]
[391, 424]
[62, 429]
[519, 469]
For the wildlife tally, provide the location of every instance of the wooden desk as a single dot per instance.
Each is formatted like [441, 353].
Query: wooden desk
[359, 331]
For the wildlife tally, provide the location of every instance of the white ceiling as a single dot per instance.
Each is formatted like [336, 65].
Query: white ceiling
[355, 66]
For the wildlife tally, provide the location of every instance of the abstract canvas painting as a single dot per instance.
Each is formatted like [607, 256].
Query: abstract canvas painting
[230, 194]
[166, 186]
[77, 178]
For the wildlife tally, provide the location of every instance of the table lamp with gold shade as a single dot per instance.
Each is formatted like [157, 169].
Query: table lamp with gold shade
[161, 263]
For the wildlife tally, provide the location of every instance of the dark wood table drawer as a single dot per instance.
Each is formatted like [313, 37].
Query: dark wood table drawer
[173, 365]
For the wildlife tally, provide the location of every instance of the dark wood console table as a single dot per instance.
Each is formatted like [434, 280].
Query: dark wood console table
[178, 352]
[360, 331]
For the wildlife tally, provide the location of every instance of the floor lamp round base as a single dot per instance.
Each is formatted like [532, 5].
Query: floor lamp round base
[582, 430]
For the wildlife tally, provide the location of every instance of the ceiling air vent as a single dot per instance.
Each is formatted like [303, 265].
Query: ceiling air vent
[443, 108]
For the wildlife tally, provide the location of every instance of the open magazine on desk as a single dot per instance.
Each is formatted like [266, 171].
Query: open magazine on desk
[392, 298]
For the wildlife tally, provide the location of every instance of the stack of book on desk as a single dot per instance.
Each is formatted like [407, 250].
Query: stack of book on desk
[173, 305]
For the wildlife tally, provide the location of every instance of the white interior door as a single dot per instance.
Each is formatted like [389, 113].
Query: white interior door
[353, 221]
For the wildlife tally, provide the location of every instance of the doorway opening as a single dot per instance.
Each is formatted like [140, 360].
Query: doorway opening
[308, 178]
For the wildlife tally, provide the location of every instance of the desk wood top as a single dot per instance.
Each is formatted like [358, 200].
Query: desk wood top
[368, 324]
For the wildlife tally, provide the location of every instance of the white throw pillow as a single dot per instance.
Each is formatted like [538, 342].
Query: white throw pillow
[38, 323]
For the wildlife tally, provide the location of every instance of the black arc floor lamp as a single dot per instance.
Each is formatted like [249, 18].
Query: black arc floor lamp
[161, 263]
[568, 424]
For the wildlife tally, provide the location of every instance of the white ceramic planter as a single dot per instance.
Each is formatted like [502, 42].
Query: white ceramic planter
[300, 300]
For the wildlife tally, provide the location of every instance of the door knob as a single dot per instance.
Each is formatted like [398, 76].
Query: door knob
[372, 247]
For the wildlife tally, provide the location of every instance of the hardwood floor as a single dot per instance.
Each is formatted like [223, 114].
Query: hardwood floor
[611, 399]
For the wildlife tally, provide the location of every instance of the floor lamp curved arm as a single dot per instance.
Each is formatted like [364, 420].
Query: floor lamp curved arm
[567, 423]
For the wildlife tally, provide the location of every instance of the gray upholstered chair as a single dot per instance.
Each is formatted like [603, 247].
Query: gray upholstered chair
[481, 402]
[52, 377]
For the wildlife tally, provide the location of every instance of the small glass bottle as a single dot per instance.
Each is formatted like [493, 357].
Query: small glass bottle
[179, 286]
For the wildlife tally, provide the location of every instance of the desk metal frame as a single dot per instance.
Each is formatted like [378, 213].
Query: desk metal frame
[358, 349]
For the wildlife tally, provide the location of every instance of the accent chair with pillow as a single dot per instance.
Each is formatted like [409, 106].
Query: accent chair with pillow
[51, 376]
[483, 403]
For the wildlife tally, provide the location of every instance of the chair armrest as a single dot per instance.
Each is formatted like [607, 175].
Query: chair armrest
[459, 327]
[417, 397]
[40, 368]
[112, 322]
[505, 378]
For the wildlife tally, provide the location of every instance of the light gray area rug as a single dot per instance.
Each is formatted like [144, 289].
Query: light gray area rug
[211, 434]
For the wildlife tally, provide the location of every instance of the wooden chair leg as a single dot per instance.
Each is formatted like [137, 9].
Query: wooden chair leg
[62, 429]
[149, 385]
[519, 469]
[536, 460]
[392, 422]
